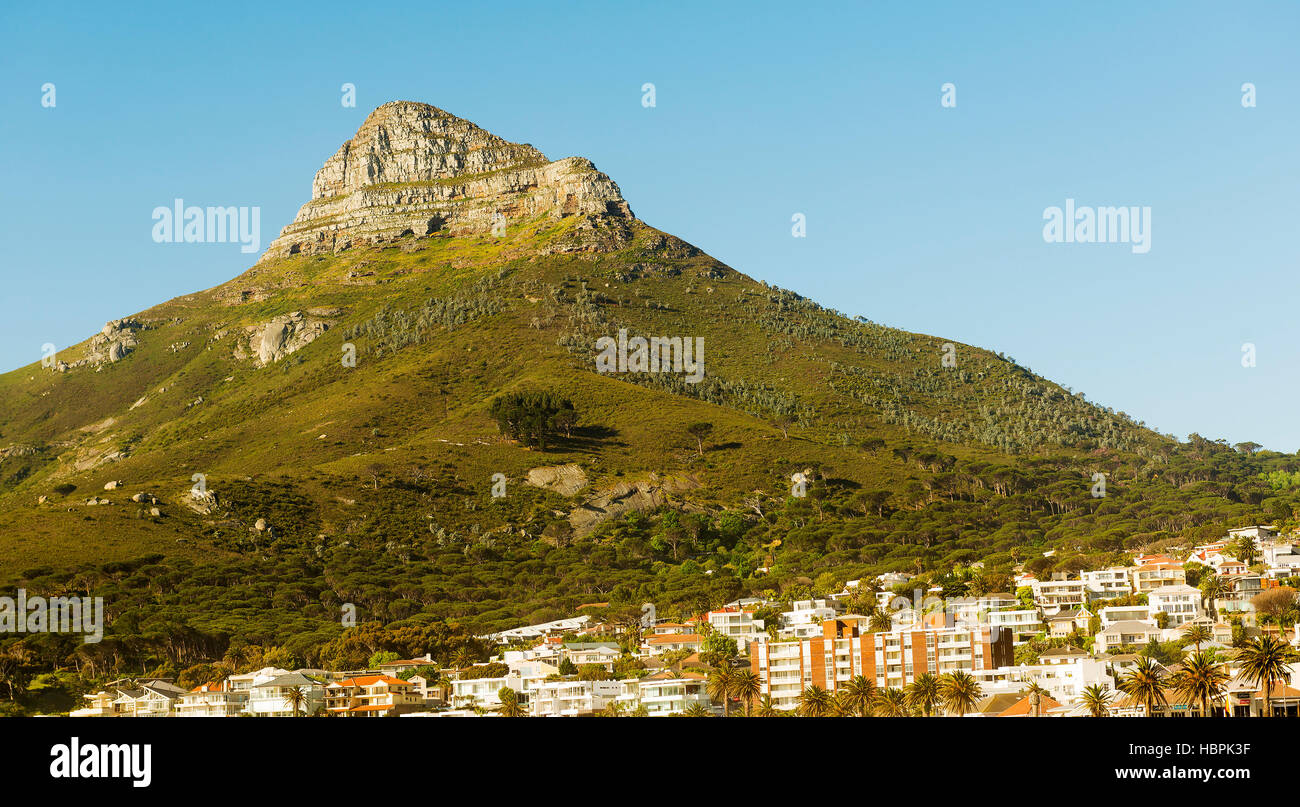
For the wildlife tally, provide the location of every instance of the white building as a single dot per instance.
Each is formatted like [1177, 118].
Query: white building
[1181, 603]
[1107, 584]
[738, 623]
[805, 618]
[665, 693]
[572, 698]
[1125, 613]
[269, 697]
[1054, 595]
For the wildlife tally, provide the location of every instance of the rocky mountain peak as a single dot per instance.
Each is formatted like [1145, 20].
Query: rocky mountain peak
[414, 170]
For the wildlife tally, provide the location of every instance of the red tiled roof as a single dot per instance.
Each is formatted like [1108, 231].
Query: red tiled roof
[1025, 708]
[675, 638]
[370, 680]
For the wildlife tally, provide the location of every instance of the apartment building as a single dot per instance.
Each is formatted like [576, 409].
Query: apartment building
[573, 698]
[666, 692]
[1053, 596]
[1181, 603]
[1107, 584]
[1023, 623]
[892, 659]
[1152, 576]
[805, 617]
[1124, 613]
[1064, 680]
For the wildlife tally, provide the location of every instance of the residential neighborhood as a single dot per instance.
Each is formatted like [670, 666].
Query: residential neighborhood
[1209, 631]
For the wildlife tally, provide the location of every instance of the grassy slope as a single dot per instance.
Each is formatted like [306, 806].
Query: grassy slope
[256, 422]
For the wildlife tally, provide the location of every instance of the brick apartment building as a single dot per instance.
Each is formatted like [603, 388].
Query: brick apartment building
[891, 659]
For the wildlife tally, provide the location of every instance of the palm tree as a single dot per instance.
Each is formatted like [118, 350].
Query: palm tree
[697, 710]
[841, 705]
[1196, 634]
[1265, 660]
[296, 699]
[814, 702]
[236, 656]
[924, 694]
[720, 686]
[614, 709]
[1097, 699]
[859, 693]
[959, 691]
[765, 707]
[1212, 587]
[1203, 679]
[462, 658]
[1145, 684]
[892, 702]
[747, 686]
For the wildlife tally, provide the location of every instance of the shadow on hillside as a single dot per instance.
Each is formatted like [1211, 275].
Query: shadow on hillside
[587, 437]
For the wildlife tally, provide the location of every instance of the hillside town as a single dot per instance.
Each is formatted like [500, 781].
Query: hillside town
[1126, 641]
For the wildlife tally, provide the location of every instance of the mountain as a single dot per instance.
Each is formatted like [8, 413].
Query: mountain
[236, 464]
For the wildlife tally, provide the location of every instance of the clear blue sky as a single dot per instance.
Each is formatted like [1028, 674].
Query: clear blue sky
[919, 217]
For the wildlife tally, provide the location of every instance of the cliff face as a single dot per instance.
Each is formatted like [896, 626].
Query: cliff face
[415, 170]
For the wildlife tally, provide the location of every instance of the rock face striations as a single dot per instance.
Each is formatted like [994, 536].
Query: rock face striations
[415, 170]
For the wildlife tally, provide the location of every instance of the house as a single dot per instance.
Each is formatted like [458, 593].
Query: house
[1062, 655]
[1119, 663]
[665, 643]
[738, 623]
[398, 666]
[270, 697]
[371, 696]
[433, 690]
[99, 704]
[602, 654]
[994, 705]
[1068, 620]
[213, 699]
[1124, 633]
[150, 699]
[1026, 706]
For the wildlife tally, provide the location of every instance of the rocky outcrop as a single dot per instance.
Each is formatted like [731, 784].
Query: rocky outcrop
[415, 170]
[112, 344]
[565, 480]
[272, 341]
[644, 493]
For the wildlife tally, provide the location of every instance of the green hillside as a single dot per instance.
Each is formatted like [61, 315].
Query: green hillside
[374, 481]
